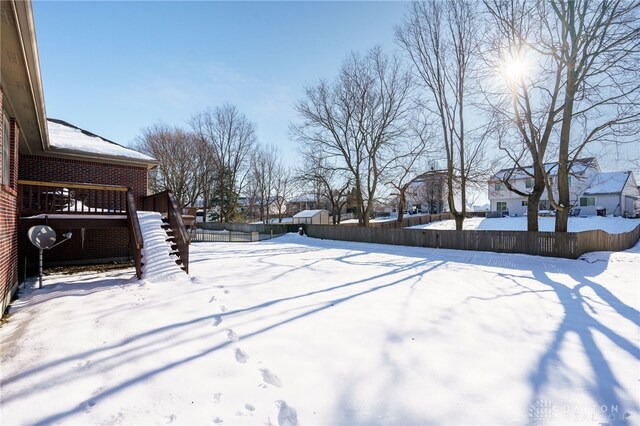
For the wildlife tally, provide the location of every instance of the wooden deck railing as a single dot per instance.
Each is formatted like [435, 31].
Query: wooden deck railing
[135, 232]
[36, 197]
[165, 203]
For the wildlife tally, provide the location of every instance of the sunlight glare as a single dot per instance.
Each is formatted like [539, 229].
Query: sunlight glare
[514, 69]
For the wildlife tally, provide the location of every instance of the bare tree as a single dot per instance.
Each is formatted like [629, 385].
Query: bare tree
[283, 187]
[231, 137]
[597, 44]
[356, 118]
[207, 171]
[584, 90]
[174, 148]
[407, 161]
[332, 182]
[264, 161]
[525, 105]
[441, 38]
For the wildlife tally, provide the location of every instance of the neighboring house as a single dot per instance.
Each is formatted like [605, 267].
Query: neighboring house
[589, 188]
[250, 207]
[312, 217]
[428, 193]
[616, 192]
[54, 173]
[307, 202]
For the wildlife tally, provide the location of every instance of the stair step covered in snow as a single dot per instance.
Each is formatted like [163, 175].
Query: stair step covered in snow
[161, 260]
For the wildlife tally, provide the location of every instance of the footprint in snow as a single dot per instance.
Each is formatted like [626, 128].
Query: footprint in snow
[223, 309]
[231, 335]
[270, 378]
[216, 397]
[241, 357]
[212, 299]
[217, 420]
[86, 405]
[226, 291]
[217, 320]
[249, 407]
[287, 415]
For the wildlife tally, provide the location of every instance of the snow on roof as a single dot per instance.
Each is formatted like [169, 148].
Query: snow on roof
[65, 136]
[303, 198]
[608, 183]
[308, 213]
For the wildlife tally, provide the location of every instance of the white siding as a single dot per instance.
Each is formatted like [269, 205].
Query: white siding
[630, 196]
[608, 201]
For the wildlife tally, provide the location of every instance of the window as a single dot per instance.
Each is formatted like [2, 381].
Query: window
[528, 183]
[6, 149]
[501, 206]
[544, 205]
[499, 186]
[587, 201]
[525, 203]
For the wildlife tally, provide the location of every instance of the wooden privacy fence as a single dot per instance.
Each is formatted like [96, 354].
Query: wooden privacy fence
[568, 245]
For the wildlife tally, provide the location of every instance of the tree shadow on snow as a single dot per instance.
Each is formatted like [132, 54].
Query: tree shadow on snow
[577, 320]
[149, 343]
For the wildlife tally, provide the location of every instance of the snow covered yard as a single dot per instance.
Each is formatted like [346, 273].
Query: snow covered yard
[300, 330]
[610, 224]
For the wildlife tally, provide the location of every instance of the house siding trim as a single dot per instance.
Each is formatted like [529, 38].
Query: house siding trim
[9, 218]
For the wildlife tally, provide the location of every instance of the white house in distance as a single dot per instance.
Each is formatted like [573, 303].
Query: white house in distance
[590, 189]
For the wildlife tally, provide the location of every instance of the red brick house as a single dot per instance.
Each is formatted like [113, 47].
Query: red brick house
[54, 173]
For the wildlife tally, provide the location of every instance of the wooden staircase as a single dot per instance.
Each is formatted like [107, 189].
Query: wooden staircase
[175, 252]
[173, 224]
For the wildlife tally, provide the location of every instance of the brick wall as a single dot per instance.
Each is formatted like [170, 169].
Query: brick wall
[99, 244]
[9, 220]
[50, 169]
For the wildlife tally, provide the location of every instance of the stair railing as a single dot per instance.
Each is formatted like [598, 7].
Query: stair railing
[135, 232]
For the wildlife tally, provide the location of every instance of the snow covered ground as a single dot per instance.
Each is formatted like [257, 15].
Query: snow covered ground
[299, 330]
[613, 225]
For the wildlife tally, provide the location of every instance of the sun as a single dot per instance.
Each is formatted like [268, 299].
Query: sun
[514, 68]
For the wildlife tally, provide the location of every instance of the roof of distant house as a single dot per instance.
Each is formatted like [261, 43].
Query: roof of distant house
[309, 213]
[608, 183]
[69, 139]
[431, 175]
[304, 198]
[579, 166]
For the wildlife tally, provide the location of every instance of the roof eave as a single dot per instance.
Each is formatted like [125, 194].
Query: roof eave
[25, 85]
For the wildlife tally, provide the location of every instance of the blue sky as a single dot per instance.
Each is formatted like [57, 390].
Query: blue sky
[114, 68]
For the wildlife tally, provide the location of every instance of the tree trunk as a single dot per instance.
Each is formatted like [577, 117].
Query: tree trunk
[401, 205]
[459, 218]
[533, 201]
[563, 203]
